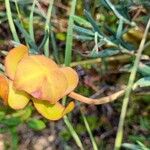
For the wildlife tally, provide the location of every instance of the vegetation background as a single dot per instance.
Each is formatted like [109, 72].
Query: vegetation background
[98, 38]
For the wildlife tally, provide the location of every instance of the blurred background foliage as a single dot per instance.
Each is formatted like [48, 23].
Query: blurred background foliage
[106, 37]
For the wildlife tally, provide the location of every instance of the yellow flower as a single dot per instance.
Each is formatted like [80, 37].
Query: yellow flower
[38, 78]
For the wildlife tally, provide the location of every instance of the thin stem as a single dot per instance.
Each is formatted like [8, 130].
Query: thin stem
[10, 21]
[89, 131]
[47, 27]
[19, 17]
[119, 136]
[68, 52]
[73, 133]
[99, 101]
[31, 30]
[99, 60]
[120, 58]
[55, 48]
[68, 49]
[17, 8]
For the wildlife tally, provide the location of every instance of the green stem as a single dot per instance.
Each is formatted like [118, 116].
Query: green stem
[73, 133]
[89, 132]
[119, 136]
[55, 48]
[68, 50]
[10, 21]
[19, 17]
[68, 53]
[120, 58]
[31, 31]
[47, 27]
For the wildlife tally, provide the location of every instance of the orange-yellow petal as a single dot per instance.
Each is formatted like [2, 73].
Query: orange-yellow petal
[4, 88]
[12, 59]
[41, 78]
[69, 108]
[52, 111]
[72, 79]
[17, 99]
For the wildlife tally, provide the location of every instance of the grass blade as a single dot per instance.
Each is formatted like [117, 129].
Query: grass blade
[55, 48]
[47, 28]
[10, 21]
[27, 37]
[69, 39]
[43, 41]
[68, 57]
[92, 21]
[119, 136]
[89, 132]
[31, 31]
[73, 132]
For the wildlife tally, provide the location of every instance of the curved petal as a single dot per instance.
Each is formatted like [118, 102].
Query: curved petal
[12, 59]
[4, 88]
[52, 111]
[72, 78]
[17, 99]
[41, 78]
[69, 108]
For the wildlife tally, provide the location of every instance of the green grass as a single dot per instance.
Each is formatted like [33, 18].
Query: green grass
[11, 22]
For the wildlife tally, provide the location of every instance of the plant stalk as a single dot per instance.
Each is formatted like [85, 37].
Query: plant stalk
[47, 27]
[10, 21]
[68, 57]
[99, 101]
[119, 136]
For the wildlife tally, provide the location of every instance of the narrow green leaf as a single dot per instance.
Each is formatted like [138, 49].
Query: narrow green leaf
[73, 133]
[34, 48]
[83, 31]
[119, 30]
[46, 35]
[93, 22]
[23, 114]
[104, 53]
[143, 82]
[36, 124]
[79, 20]
[55, 48]
[143, 147]
[10, 21]
[144, 69]
[14, 121]
[89, 132]
[31, 30]
[47, 27]
[131, 146]
[68, 58]
[69, 39]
